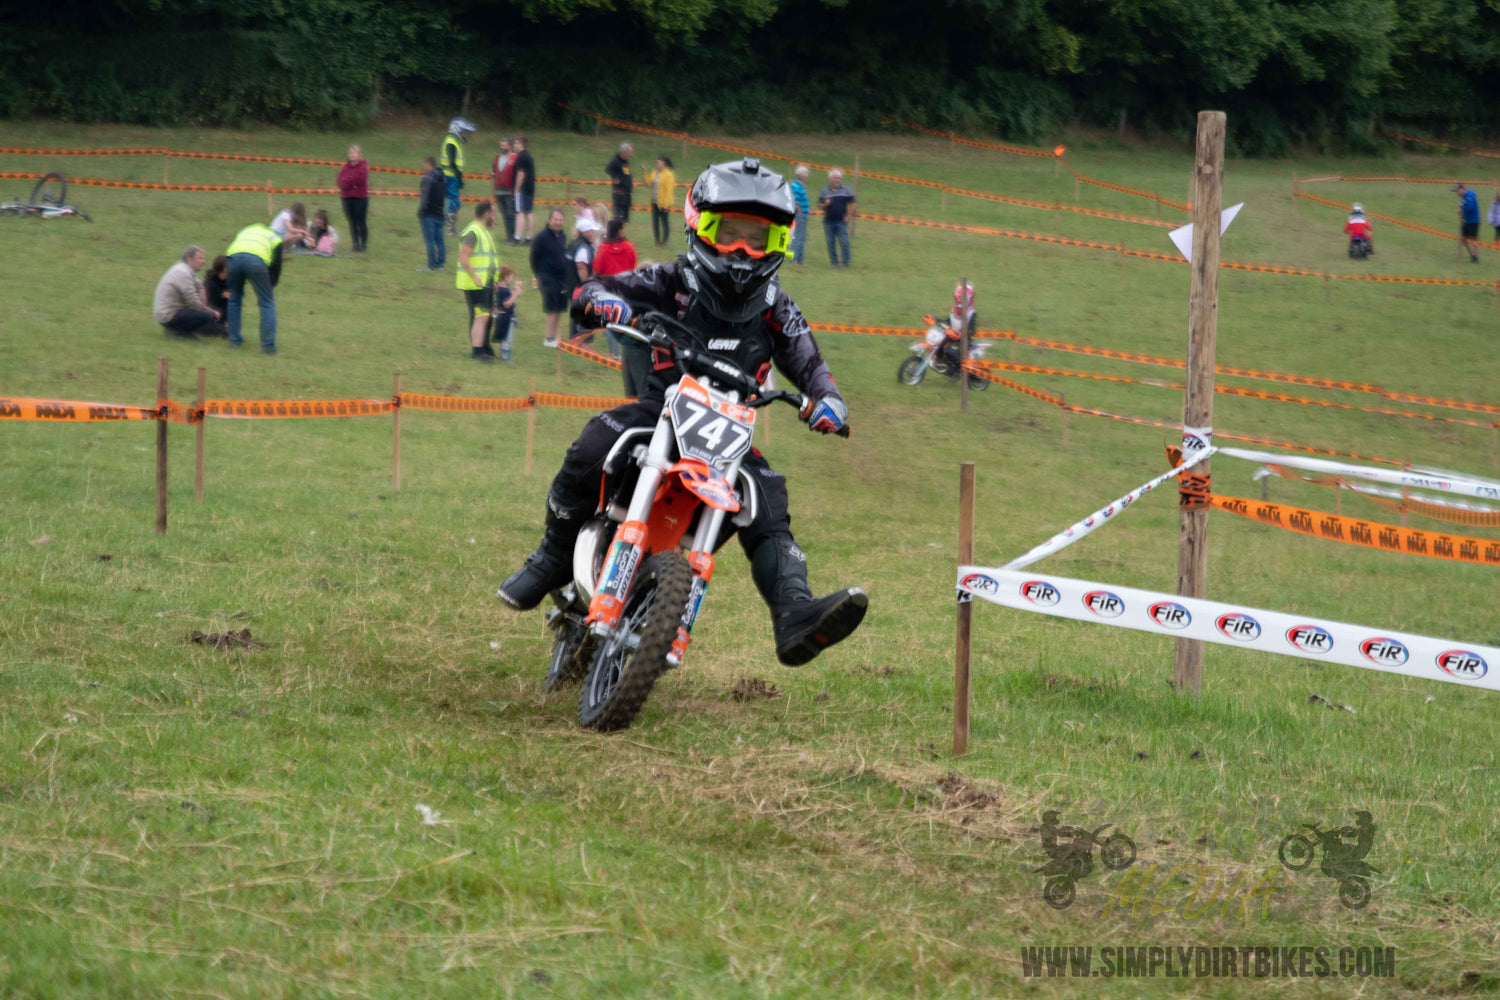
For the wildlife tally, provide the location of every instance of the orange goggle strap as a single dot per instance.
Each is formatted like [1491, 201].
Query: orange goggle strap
[706, 225]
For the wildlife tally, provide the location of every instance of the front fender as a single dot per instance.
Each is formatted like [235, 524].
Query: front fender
[706, 483]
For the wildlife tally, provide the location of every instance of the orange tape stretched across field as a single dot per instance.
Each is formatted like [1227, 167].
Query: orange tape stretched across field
[1452, 514]
[1370, 534]
[1389, 218]
[1471, 150]
[574, 347]
[997, 146]
[71, 411]
[186, 154]
[262, 188]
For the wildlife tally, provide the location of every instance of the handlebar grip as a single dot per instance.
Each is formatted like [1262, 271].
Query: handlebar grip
[843, 432]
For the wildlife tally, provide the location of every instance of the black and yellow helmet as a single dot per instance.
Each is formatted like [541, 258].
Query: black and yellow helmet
[739, 228]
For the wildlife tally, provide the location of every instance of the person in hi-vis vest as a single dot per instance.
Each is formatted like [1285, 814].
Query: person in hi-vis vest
[452, 161]
[254, 256]
[478, 268]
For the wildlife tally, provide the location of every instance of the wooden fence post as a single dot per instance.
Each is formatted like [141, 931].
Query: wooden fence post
[856, 193]
[396, 434]
[530, 422]
[1198, 400]
[963, 350]
[161, 446]
[964, 644]
[165, 159]
[198, 458]
[270, 208]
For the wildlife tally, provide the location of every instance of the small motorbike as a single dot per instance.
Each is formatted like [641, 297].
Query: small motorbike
[1360, 248]
[1297, 851]
[1076, 861]
[929, 353]
[642, 563]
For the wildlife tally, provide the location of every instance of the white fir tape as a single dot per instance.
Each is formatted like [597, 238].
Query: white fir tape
[1471, 487]
[1236, 625]
[1103, 515]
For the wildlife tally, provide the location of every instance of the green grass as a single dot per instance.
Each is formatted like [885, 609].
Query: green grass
[179, 821]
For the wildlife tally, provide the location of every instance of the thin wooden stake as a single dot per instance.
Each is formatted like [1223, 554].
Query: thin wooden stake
[161, 447]
[856, 194]
[165, 159]
[1198, 401]
[1064, 398]
[1495, 446]
[396, 434]
[963, 349]
[530, 423]
[964, 644]
[198, 458]
[270, 209]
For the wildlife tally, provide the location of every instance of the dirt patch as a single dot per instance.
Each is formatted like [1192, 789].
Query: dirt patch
[752, 688]
[225, 640]
[962, 795]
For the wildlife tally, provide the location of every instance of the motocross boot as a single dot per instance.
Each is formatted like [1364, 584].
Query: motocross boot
[550, 566]
[804, 625]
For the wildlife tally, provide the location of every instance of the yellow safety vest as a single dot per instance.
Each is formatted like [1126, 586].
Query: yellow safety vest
[259, 240]
[458, 155]
[483, 259]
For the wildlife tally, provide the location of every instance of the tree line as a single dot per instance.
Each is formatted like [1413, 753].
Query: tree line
[1322, 73]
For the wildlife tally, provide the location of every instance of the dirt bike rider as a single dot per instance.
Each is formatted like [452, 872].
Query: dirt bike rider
[1075, 859]
[1359, 228]
[961, 315]
[1341, 860]
[739, 218]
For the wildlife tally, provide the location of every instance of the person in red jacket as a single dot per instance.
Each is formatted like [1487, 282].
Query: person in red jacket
[1361, 234]
[615, 255]
[354, 191]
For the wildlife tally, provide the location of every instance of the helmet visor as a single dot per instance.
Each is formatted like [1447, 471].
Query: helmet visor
[730, 231]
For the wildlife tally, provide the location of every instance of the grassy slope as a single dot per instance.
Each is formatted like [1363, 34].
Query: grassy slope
[244, 824]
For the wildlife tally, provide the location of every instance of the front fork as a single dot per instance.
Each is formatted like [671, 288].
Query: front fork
[700, 559]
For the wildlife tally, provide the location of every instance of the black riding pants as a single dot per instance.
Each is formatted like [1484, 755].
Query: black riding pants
[575, 489]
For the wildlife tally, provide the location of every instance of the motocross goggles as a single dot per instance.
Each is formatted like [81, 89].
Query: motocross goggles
[730, 231]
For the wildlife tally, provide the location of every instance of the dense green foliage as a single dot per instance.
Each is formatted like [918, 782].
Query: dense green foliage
[1311, 71]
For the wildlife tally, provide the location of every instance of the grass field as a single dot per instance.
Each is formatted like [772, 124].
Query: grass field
[181, 821]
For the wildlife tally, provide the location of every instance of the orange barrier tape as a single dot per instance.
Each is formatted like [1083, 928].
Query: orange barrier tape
[1370, 534]
[1451, 404]
[461, 404]
[1390, 179]
[1127, 190]
[279, 408]
[263, 189]
[67, 410]
[560, 401]
[1407, 505]
[1388, 218]
[574, 347]
[878, 331]
[1472, 150]
[997, 146]
[1057, 401]
[1097, 213]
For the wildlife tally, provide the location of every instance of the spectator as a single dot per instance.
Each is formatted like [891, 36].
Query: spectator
[583, 210]
[287, 218]
[324, 237]
[354, 192]
[503, 174]
[1468, 214]
[216, 288]
[459, 130]
[837, 202]
[525, 179]
[255, 256]
[622, 185]
[804, 209]
[179, 305]
[663, 188]
[550, 265]
[507, 294]
[478, 267]
[1495, 218]
[615, 255]
[430, 215]
[581, 253]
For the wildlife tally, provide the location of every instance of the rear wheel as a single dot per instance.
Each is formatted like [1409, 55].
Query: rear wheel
[50, 191]
[627, 664]
[910, 372]
[978, 383]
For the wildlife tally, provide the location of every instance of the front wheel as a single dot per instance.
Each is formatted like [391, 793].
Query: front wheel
[50, 191]
[1296, 851]
[572, 651]
[1354, 892]
[911, 371]
[1059, 892]
[627, 664]
[978, 383]
[1117, 852]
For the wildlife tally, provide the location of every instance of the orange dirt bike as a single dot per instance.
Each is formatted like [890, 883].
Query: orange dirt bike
[642, 564]
[938, 351]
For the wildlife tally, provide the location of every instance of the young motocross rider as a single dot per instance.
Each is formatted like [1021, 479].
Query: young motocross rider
[739, 218]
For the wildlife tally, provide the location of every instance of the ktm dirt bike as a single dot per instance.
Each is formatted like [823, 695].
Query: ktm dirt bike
[930, 353]
[642, 564]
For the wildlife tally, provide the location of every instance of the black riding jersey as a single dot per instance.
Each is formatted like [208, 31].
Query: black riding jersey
[778, 333]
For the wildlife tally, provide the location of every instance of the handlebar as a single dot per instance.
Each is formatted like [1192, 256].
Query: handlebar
[757, 396]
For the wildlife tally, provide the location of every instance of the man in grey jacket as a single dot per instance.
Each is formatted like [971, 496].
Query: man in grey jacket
[179, 305]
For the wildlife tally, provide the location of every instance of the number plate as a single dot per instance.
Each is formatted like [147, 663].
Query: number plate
[709, 426]
[935, 335]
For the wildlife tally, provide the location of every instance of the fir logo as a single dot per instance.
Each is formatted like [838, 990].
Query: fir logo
[1170, 614]
[1104, 604]
[1463, 664]
[1310, 639]
[1040, 593]
[1385, 652]
[1238, 626]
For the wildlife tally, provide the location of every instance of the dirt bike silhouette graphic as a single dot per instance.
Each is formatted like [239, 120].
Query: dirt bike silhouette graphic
[1074, 861]
[1343, 862]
